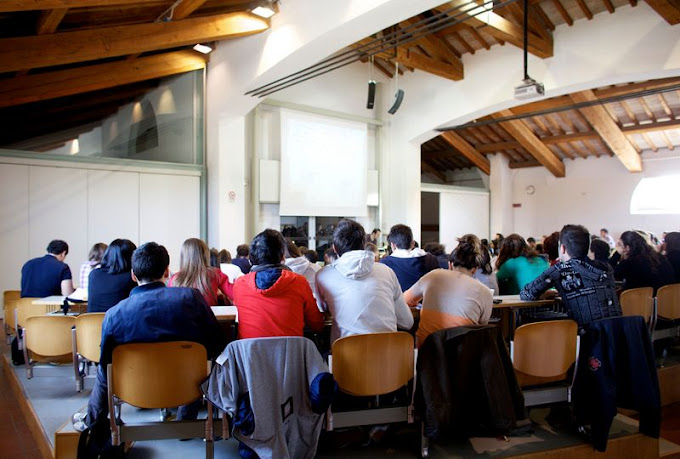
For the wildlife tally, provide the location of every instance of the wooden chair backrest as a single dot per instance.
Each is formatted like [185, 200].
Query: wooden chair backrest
[668, 301]
[373, 364]
[637, 302]
[545, 349]
[49, 335]
[25, 309]
[158, 375]
[9, 299]
[89, 335]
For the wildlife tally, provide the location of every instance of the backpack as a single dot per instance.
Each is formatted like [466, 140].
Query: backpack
[95, 443]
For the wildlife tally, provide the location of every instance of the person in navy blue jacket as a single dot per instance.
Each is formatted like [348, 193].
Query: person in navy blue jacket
[407, 262]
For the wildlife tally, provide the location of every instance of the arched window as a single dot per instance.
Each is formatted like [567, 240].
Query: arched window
[656, 195]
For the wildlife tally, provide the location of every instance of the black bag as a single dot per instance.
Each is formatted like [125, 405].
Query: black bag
[95, 443]
[17, 353]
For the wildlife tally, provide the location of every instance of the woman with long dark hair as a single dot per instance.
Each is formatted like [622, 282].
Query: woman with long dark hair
[517, 265]
[451, 297]
[196, 272]
[112, 281]
[637, 264]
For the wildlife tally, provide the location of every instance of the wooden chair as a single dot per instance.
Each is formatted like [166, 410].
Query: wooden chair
[372, 365]
[9, 298]
[639, 302]
[542, 353]
[24, 308]
[158, 375]
[87, 336]
[668, 307]
[47, 339]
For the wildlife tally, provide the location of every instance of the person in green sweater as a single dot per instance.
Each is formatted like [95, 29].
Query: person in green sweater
[517, 265]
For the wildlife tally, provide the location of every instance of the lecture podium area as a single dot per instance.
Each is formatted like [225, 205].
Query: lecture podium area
[39, 422]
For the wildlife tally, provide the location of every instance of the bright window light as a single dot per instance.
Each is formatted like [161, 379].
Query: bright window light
[202, 48]
[656, 195]
[264, 12]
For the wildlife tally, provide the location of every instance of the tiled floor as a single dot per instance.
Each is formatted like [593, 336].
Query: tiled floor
[16, 439]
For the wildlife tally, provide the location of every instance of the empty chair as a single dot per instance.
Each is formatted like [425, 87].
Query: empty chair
[24, 308]
[47, 339]
[9, 298]
[668, 307]
[542, 353]
[639, 302]
[87, 337]
[158, 375]
[371, 365]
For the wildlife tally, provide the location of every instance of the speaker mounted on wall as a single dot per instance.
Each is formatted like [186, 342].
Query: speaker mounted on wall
[371, 94]
[398, 98]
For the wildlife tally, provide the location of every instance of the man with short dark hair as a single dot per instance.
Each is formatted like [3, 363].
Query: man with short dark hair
[407, 262]
[604, 234]
[272, 300]
[586, 286]
[153, 313]
[47, 275]
[242, 258]
[363, 296]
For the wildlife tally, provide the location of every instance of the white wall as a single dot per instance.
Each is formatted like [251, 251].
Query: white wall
[595, 193]
[84, 204]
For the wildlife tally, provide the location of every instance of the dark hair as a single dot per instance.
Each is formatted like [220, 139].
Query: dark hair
[118, 256]
[672, 241]
[329, 255]
[224, 256]
[401, 236]
[638, 248]
[291, 250]
[311, 255]
[435, 248]
[348, 235]
[600, 249]
[214, 258]
[539, 248]
[485, 264]
[530, 240]
[149, 262]
[514, 246]
[576, 239]
[97, 252]
[467, 254]
[551, 246]
[605, 230]
[57, 247]
[267, 248]
[376, 230]
[242, 250]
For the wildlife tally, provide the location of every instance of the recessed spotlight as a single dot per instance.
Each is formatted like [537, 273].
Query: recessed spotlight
[264, 11]
[205, 49]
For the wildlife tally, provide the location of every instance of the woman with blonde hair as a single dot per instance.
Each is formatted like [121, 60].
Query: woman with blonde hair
[195, 271]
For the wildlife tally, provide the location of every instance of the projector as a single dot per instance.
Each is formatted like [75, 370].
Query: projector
[529, 89]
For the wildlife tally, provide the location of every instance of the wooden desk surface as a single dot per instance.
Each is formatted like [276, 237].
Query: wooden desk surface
[514, 301]
[225, 313]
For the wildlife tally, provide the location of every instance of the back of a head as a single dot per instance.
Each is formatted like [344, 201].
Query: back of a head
[348, 235]
[224, 256]
[149, 262]
[636, 243]
[97, 252]
[268, 247]
[467, 254]
[329, 256]
[291, 251]
[401, 236]
[512, 246]
[576, 239]
[311, 256]
[672, 241]
[551, 246]
[600, 249]
[243, 251]
[57, 247]
[118, 256]
[193, 254]
[435, 248]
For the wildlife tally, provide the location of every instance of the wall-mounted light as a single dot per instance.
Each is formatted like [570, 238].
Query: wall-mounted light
[266, 9]
[205, 49]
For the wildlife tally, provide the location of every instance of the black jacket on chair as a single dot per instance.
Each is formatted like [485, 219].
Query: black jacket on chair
[616, 369]
[466, 384]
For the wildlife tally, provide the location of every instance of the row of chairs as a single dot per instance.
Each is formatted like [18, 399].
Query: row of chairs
[666, 305]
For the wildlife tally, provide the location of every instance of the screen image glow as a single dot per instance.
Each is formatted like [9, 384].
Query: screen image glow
[656, 195]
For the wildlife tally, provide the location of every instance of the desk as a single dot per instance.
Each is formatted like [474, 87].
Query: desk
[509, 310]
[55, 302]
[225, 313]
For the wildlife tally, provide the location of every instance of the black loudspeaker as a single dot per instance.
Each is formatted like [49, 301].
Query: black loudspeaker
[398, 98]
[371, 94]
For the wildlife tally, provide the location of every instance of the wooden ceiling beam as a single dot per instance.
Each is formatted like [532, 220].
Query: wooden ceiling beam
[527, 139]
[467, 150]
[49, 20]
[8, 6]
[452, 71]
[22, 53]
[667, 9]
[50, 85]
[636, 87]
[429, 169]
[610, 132]
[434, 45]
[185, 8]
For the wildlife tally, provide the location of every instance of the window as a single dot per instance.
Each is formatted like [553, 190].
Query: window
[656, 195]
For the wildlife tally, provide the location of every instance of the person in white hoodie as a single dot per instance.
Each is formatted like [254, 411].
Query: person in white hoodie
[363, 296]
[301, 265]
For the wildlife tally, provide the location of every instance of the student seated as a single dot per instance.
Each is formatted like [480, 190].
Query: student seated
[94, 259]
[47, 275]
[517, 265]
[112, 282]
[242, 259]
[271, 299]
[638, 264]
[408, 262]
[195, 271]
[452, 297]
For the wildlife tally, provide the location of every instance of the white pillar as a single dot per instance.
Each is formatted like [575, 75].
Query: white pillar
[500, 195]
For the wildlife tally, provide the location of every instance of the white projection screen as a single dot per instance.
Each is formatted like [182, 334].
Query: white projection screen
[463, 212]
[323, 166]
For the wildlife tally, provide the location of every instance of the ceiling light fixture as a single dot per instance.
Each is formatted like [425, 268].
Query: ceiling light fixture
[266, 9]
[205, 49]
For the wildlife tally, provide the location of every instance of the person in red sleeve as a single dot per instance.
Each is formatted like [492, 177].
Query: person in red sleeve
[272, 300]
